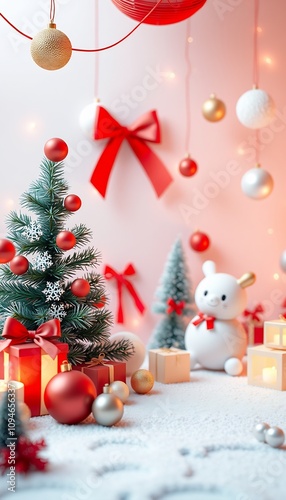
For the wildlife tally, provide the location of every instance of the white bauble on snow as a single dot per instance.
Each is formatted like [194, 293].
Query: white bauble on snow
[87, 119]
[136, 360]
[257, 183]
[255, 109]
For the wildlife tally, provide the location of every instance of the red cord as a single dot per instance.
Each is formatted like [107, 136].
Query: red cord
[93, 50]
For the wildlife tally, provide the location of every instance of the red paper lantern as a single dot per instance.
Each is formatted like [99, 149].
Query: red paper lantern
[80, 287]
[72, 202]
[7, 251]
[69, 396]
[188, 167]
[56, 149]
[167, 12]
[65, 240]
[19, 265]
[199, 241]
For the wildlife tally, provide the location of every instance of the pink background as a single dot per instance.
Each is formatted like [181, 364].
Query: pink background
[131, 224]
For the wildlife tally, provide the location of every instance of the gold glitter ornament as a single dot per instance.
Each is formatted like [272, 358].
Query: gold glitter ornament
[51, 49]
[213, 109]
[142, 381]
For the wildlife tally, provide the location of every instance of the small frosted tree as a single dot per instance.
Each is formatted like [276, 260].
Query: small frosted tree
[175, 301]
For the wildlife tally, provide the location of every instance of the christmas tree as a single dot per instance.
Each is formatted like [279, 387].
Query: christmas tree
[44, 281]
[174, 301]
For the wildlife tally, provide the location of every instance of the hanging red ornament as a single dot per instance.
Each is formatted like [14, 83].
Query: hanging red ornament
[56, 149]
[65, 240]
[80, 287]
[7, 251]
[188, 167]
[72, 202]
[69, 395]
[19, 265]
[101, 303]
[199, 241]
[166, 12]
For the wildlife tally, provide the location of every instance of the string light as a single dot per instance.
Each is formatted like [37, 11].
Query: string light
[276, 276]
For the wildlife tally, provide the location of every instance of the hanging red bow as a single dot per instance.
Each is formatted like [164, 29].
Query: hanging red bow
[200, 317]
[176, 307]
[121, 279]
[253, 315]
[44, 336]
[146, 128]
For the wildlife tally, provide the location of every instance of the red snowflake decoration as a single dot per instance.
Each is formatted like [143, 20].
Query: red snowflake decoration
[26, 456]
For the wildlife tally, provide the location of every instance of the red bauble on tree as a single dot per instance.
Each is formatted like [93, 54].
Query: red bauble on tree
[80, 287]
[199, 241]
[7, 251]
[19, 265]
[65, 240]
[188, 167]
[56, 149]
[72, 202]
[101, 303]
[69, 396]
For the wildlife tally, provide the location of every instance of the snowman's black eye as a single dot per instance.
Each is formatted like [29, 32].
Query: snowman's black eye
[223, 297]
[205, 292]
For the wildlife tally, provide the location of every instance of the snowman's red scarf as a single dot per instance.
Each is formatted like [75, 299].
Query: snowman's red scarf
[200, 317]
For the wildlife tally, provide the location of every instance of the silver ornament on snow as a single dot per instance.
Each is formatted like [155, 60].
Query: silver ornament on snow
[255, 109]
[107, 408]
[283, 261]
[120, 389]
[259, 431]
[275, 437]
[257, 183]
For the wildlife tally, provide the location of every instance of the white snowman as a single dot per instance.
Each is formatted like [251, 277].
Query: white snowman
[215, 338]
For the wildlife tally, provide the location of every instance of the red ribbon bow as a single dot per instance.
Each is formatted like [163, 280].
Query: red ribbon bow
[176, 307]
[44, 336]
[146, 128]
[110, 273]
[253, 315]
[200, 317]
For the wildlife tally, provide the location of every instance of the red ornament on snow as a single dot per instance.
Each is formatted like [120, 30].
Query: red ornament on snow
[7, 251]
[65, 240]
[72, 202]
[188, 167]
[80, 287]
[199, 241]
[19, 265]
[167, 12]
[69, 395]
[56, 149]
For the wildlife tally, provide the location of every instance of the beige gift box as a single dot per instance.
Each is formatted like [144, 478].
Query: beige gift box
[170, 366]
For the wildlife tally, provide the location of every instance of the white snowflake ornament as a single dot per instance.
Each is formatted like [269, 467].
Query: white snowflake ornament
[57, 311]
[53, 290]
[33, 232]
[43, 261]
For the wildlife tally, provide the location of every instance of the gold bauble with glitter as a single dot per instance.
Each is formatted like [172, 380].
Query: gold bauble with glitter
[51, 49]
[213, 109]
[142, 381]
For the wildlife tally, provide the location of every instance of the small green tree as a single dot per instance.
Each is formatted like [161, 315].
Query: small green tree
[44, 291]
[174, 301]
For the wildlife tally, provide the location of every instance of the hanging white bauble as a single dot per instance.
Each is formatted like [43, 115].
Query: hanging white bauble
[283, 261]
[136, 360]
[87, 119]
[255, 109]
[257, 183]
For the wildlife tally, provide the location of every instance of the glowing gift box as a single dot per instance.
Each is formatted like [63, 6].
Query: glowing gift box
[275, 334]
[28, 362]
[170, 366]
[102, 371]
[266, 367]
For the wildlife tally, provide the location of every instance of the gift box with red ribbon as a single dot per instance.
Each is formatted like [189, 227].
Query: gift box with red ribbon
[170, 366]
[33, 358]
[102, 371]
[254, 325]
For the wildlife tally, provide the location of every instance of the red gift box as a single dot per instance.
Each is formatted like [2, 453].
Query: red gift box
[31, 365]
[254, 330]
[103, 373]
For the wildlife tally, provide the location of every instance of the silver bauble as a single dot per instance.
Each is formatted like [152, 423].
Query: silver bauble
[274, 437]
[107, 408]
[259, 431]
[120, 389]
[257, 183]
[283, 261]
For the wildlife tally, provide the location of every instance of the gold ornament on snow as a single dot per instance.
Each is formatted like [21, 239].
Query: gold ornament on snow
[213, 109]
[142, 381]
[51, 49]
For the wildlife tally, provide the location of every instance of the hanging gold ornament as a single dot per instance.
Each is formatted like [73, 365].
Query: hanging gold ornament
[51, 49]
[213, 109]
